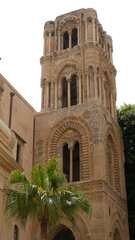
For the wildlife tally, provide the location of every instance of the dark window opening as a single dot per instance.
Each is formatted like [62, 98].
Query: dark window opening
[73, 90]
[89, 20]
[76, 163]
[15, 232]
[64, 93]
[66, 161]
[74, 37]
[65, 234]
[117, 235]
[65, 40]
[17, 152]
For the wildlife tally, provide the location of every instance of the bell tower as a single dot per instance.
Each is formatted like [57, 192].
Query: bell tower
[78, 121]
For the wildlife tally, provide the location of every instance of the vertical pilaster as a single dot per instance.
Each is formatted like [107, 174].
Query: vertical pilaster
[93, 30]
[56, 97]
[95, 84]
[47, 94]
[68, 92]
[59, 40]
[52, 95]
[49, 50]
[86, 33]
[97, 35]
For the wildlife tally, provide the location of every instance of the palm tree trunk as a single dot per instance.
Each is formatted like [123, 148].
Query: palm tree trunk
[44, 229]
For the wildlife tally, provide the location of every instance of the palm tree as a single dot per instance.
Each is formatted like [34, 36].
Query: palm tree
[46, 196]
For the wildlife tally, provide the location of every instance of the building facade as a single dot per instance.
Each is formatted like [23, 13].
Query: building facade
[16, 148]
[78, 122]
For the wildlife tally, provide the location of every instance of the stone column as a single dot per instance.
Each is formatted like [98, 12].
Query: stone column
[68, 92]
[93, 30]
[97, 35]
[43, 94]
[70, 40]
[56, 97]
[112, 110]
[58, 40]
[88, 86]
[47, 94]
[49, 50]
[52, 95]
[80, 89]
[86, 34]
[71, 164]
[95, 83]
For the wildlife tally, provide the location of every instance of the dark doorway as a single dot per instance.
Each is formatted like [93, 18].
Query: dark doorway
[65, 234]
[76, 163]
[65, 40]
[73, 90]
[66, 161]
[64, 93]
[74, 37]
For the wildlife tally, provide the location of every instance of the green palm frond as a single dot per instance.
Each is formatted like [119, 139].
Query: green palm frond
[17, 177]
[47, 196]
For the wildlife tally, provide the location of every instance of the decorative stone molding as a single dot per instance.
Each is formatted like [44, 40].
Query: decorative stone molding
[81, 127]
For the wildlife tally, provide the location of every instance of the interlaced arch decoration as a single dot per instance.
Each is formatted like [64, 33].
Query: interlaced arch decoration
[81, 127]
[110, 134]
[64, 65]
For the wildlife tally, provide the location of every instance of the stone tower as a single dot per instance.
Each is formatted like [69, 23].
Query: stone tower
[78, 122]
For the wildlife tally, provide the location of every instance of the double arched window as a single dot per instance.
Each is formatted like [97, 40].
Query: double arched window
[70, 39]
[71, 162]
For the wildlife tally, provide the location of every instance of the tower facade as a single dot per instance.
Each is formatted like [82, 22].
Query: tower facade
[78, 123]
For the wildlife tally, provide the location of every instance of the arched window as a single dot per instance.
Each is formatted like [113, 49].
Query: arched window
[66, 161]
[76, 163]
[74, 37]
[117, 235]
[71, 162]
[15, 232]
[64, 93]
[73, 90]
[65, 40]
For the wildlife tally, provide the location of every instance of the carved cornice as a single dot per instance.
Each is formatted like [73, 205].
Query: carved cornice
[101, 186]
